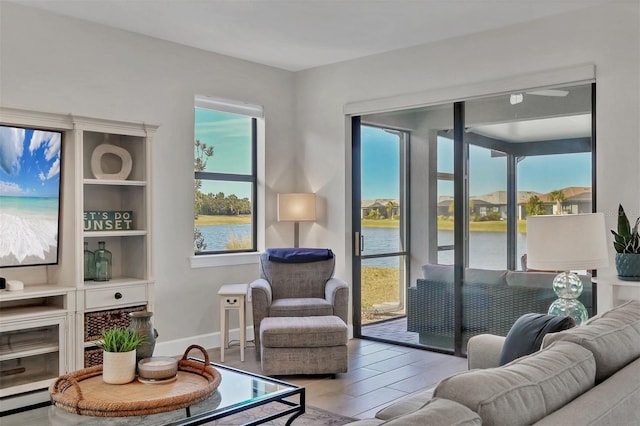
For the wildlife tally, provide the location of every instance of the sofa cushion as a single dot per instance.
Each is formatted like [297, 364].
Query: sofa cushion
[525, 336]
[405, 405]
[300, 307]
[613, 338]
[540, 279]
[366, 422]
[485, 276]
[530, 279]
[525, 390]
[439, 273]
[613, 402]
[438, 412]
[303, 332]
[628, 312]
[444, 273]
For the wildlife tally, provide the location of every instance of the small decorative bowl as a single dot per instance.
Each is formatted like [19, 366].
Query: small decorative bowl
[157, 368]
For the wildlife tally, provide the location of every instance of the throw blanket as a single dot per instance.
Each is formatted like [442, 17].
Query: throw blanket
[298, 255]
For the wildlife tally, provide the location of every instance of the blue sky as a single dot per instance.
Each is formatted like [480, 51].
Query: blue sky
[29, 162]
[541, 174]
[380, 165]
[230, 136]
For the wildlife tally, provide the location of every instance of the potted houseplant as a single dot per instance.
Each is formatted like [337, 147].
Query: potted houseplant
[119, 354]
[627, 245]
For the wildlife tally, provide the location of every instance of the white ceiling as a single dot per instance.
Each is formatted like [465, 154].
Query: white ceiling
[300, 34]
[565, 127]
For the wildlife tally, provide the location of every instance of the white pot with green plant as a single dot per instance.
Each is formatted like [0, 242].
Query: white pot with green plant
[119, 355]
[627, 245]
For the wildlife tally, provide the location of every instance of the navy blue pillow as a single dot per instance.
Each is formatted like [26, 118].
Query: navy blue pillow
[526, 334]
[298, 255]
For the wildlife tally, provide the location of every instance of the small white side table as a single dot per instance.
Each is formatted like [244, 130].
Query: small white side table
[630, 288]
[232, 298]
[621, 291]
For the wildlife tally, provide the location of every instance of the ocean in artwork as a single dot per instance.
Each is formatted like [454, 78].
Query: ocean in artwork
[28, 230]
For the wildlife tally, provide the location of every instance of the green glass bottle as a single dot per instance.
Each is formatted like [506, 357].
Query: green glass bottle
[89, 263]
[103, 263]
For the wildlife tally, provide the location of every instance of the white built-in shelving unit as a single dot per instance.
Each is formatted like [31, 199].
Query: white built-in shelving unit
[44, 328]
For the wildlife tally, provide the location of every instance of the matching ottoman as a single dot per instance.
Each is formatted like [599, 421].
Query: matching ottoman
[303, 345]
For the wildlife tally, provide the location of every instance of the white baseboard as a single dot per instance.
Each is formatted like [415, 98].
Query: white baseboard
[207, 341]
[22, 400]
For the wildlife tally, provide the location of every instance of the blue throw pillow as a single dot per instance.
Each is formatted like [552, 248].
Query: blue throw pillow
[526, 334]
[298, 255]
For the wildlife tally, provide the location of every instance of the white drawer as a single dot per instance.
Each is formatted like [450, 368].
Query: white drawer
[234, 301]
[117, 296]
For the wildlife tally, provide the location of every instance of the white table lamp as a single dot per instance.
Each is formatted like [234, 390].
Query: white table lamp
[567, 243]
[296, 207]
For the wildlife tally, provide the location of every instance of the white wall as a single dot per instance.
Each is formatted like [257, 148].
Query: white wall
[607, 36]
[57, 64]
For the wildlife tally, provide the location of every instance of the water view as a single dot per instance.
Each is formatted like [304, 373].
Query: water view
[218, 236]
[487, 249]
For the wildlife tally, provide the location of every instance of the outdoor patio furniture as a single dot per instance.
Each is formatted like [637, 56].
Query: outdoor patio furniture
[492, 300]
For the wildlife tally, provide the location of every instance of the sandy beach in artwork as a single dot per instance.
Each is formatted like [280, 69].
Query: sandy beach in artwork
[28, 231]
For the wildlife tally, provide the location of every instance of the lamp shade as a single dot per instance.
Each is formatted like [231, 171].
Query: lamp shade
[296, 207]
[567, 242]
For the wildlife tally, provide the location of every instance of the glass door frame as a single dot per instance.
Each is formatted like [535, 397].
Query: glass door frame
[357, 236]
[461, 198]
[356, 225]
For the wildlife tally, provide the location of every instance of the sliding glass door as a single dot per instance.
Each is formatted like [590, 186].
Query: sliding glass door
[529, 153]
[478, 168]
[381, 224]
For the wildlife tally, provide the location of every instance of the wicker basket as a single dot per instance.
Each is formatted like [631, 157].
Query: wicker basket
[92, 357]
[95, 322]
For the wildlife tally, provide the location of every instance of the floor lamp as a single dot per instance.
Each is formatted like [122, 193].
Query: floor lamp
[565, 243]
[296, 207]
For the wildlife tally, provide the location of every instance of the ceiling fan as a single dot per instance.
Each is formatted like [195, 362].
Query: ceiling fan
[517, 98]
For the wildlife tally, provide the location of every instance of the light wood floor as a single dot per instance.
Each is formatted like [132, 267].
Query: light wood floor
[378, 375]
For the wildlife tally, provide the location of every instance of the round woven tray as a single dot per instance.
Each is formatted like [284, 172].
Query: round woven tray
[83, 391]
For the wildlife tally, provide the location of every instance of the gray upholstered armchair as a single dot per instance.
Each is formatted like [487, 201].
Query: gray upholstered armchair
[297, 290]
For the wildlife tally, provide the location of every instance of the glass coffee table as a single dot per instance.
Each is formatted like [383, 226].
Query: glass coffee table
[239, 391]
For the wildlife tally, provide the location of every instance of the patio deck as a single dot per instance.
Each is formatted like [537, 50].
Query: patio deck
[394, 330]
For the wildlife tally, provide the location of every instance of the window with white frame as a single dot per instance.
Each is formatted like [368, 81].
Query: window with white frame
[225, 176]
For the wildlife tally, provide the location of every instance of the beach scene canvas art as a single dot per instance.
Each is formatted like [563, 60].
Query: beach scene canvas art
[29, 196]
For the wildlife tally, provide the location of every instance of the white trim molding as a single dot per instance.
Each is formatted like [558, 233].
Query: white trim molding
[230, 106]
[212, 260]
[585, 73]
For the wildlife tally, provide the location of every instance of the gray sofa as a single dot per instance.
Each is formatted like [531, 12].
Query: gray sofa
[587, 375]
[492, 301]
